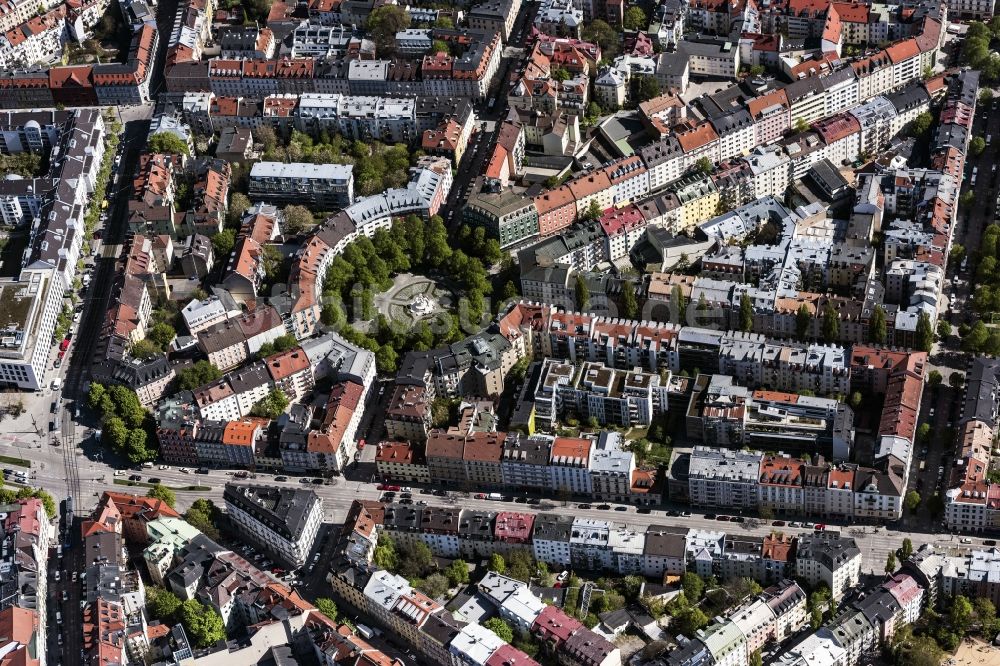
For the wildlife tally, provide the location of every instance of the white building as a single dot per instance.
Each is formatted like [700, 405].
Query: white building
[284, 521]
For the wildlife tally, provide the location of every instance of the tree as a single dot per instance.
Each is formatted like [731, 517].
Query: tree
[385, 553]
[161, 334]
[630, 306]
[803, 320]
[906, 550]
[144, 350]
[199, 374]
[690, 620]
[327, 607]
[890, 562]
[561, 74]
[499, 627]
[815, 618]
[383, 24]
[977, 146]
[439, 46]
[602, 34]
[956, 255]
[161, 492]
[800, 125]
[985, 96]
[986, 613]
[223, 243]
[924, 336]
[415, 559]
[856, 399]
[693, 585]
[757, 70]
[921, 124]
[960, 615]
[923, 432]
[831, 323]
[298, 219]
[272, 405]
[876, 327]
[203, 515]
[935, 505]
[434, 586]
[756, 659]
[202, 623]
[746, 313]
[912, 500]
[582, 294]
[956, 380]
[635, 19]
[168, 143]
[457, 573]
[703, 165]
[239, 203]
[497, 563]
[593, 211]
[934, 378]
[162, 604]
[648, 88]
[968, 199]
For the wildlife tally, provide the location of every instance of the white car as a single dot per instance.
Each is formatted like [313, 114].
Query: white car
[164, 466]
[119, 472]
[184, 470]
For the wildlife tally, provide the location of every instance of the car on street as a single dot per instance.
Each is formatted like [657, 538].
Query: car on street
[155, 479]
[281, 478]
[119, 472]
[134, 477]
[386, 486]
[621, 508]
[778, 523]
[709, 516]
[644, 509]
[318, 481]
[604, 507]
[480, 495]
[184, 470]
[583, 506]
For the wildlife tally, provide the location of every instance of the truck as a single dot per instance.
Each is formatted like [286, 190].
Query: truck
[368, 632]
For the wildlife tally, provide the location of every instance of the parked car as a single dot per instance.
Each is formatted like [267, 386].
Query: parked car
[155, 479]
[134, 477]
[778, 523]
[281, 478]
[583, 506]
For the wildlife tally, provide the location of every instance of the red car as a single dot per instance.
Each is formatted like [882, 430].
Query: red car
[480, 495]
[62, 354]
[361, 444]
[386, 486]
[64, 345]
[819, 527]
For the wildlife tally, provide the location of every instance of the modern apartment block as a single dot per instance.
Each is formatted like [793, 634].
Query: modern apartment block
[326, 186]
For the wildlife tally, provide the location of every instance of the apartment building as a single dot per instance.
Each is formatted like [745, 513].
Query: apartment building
[327, 186]
[283, 521]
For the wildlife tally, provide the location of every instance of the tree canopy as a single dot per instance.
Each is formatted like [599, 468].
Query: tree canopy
[199, 374]
[167, 142]
[635, 19]
[202, 623]
[164, 494]
[272, 405]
